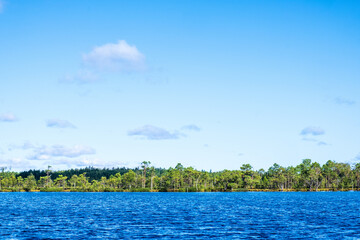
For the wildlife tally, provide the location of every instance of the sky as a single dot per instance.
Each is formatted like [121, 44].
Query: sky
[209, 84]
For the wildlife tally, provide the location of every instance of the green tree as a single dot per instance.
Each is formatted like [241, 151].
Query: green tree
[74, 181]
[20, 183]
[277, 177]
[357, 175]
[152, 176]
[83, 181]
[315, 176]
[48, 179]
[60, 181]
[305, 167]
[144, 166]
[129, 179]
[330, 174]
[30, 183]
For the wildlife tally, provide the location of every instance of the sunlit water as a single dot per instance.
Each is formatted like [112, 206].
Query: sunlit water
[180, 215]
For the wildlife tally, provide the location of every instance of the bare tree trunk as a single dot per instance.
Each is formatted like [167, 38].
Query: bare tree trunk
[151, 184]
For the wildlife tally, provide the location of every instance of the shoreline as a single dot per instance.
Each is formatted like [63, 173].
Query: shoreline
[177, 191]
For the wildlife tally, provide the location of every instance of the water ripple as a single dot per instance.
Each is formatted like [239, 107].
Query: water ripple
[180, 215]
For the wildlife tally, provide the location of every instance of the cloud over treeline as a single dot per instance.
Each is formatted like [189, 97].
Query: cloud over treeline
[86, 161]
[13, 163]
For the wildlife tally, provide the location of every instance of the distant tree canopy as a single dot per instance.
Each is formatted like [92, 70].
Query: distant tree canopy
[307, 176]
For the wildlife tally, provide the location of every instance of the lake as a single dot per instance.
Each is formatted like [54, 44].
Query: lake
[247, 215]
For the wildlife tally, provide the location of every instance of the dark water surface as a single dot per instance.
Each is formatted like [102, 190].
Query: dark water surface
[180, 215]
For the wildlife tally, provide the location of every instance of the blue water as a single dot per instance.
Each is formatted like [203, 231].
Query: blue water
[180, 215]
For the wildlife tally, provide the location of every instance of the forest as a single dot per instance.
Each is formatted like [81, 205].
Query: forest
[307, 176]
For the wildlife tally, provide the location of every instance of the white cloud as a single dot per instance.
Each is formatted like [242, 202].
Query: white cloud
[8, 117]
[58, 123]
[315, 131]
[115, 57]
[45, 152]
[153, 133]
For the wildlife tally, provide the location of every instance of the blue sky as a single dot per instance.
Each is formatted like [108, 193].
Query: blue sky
[210, 84]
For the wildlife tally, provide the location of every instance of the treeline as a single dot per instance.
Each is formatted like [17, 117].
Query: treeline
[307, 176]
[91, 173]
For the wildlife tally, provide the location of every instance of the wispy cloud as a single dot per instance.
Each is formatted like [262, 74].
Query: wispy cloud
[309, 139]
[25, 146]
[46, 152]
[118, 56]
[8, 117]
[315, 131]
[153, 133]
[1, 6]
[344, 101]
[58, 123]
[83, 76]
[321, 143]
[191, 127]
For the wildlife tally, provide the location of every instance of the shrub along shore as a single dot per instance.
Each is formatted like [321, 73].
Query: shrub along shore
[307, 176]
